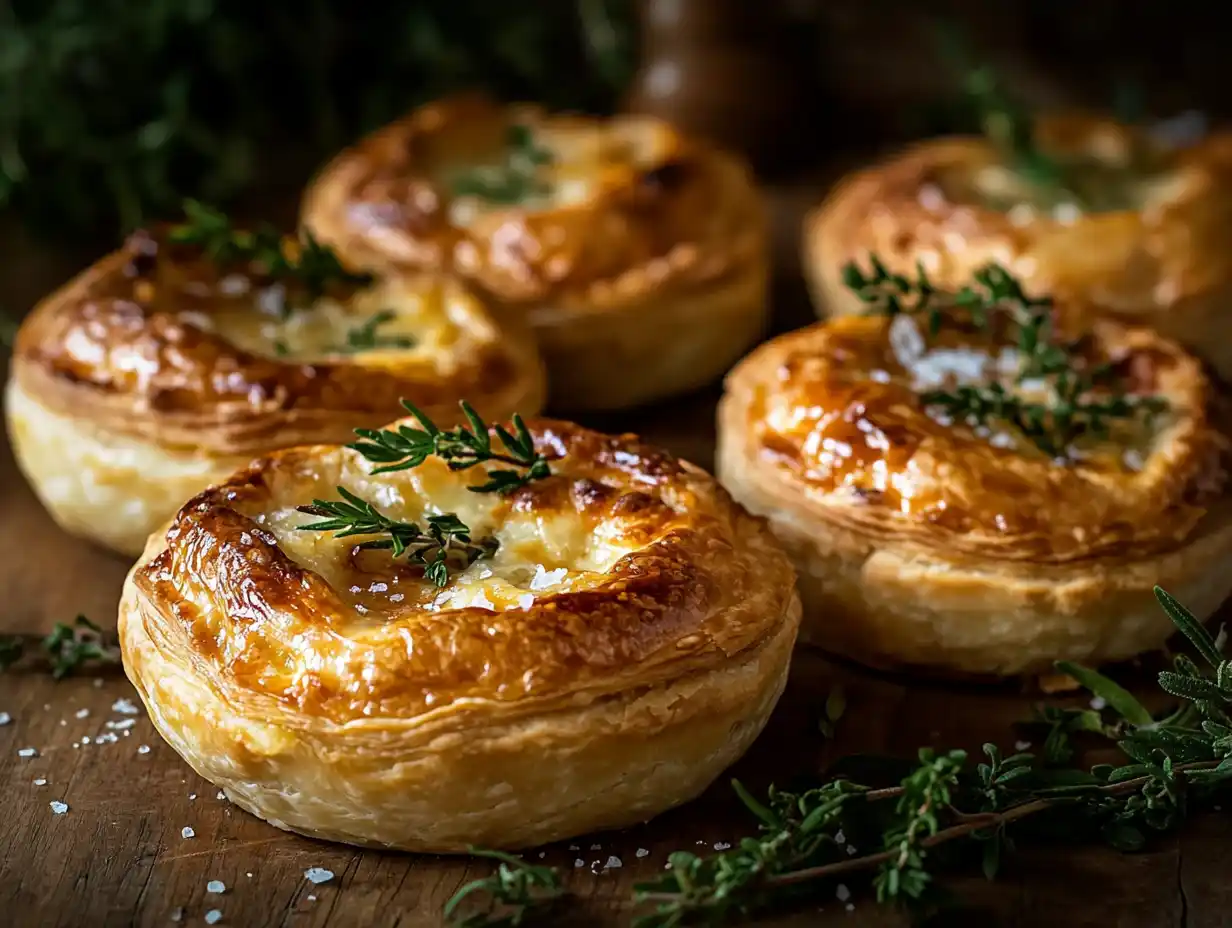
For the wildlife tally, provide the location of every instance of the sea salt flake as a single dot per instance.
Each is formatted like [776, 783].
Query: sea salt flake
[721, 845]
[1021, 745]
[642, 852]
[312, 898]
[213, 916]
[85, 740]
[27, 752]
[579, 863]
[217, 887]
[124, 707]
[83, 713]
[178, 914]
[192, 796]
[851, 907]
[596, 847]
[842, 893]
[187, 832]
[143, 749]
[121, 724]
[318, 875]
[613, 863]
[1099, 703]
[41, 781]
[221, 795]
[5, 718]
[58, 807]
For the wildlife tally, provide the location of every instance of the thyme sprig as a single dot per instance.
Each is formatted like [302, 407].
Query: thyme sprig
[516, 179]
[460, 448]
[514, 895]
[443, 544]
[366, 337]
[1075, 406]
[67, 648]
[308, 265]
[1173, 763]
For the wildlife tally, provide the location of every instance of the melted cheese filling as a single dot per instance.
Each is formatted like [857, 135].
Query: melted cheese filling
[538, 553]
[424, 316]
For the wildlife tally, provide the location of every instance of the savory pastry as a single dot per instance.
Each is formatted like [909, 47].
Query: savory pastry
[961, 491]
[1106, 218]
[173, 362]
[638, 255]
[402, 645]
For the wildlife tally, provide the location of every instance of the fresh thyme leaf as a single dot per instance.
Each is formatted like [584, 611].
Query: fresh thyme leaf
[313, 267]
[1174, 764]
[1073, 409]
[443, 544]
[516, 179]
[512, 896]
[67, 648]
[365, 337]
[461, 448]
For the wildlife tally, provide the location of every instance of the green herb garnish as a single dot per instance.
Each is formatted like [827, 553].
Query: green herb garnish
[514, 895]
[67, 648]
[308, 265]
[365, 337]
[1172, 765]
[460, 448]
[1080, 400]
[516, 179]
[443, 544]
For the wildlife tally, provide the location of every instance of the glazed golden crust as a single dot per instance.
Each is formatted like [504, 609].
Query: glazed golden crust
[1153, 252]
[639, 240]
[155, 343]
[924, 541]
[625, 581]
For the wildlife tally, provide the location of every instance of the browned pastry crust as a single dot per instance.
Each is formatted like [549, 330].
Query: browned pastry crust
[154, 373]
[927, 543]
[641, 266]
[626, 643]
[1154, 252]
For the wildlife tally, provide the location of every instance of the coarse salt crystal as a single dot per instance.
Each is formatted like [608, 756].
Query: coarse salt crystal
[312, 898]
[216, 886]
[187, 832]
[27, 752]
[642, 852]
[85, 740]
[851, 907]
[192, 796]
[579, 863]
[721, 845]
[41, 781]
[124, 707]
[318, 875]
[1099, 703]
[58, 807]
[178, 914]
[213, 916]
[613, 863]
[842, 893]
[83, 713]
[543, 854]
[1021, 745]
[122, 724]
[5, 718]
[839, 837]
[143, 749]
[595, 847]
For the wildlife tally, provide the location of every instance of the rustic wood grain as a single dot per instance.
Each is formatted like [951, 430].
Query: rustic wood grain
[118, 857]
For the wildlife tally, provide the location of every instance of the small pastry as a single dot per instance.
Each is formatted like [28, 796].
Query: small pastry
[401, 645]
[173, 362]
[1106, 218]
[639, 255]
[963, 492]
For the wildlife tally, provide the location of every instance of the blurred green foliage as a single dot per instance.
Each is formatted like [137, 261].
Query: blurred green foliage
[112, 111]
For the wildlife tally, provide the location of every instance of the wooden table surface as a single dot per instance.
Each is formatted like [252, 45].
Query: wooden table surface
[118, 856]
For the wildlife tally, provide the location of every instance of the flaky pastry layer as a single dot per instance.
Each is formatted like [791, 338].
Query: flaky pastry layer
[1148, 245]
[639, 257]
[921, 541]
[156, 373]
[624, 644]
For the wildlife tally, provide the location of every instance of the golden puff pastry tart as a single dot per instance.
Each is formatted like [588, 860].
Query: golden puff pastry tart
[963, 493]
[173, 362]
[1108, 218]
[596, 644]
[639, 255]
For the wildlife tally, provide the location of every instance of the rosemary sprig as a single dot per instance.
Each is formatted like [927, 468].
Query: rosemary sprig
[309, 265]
[67, 648]
[1173, 763]
[514, 895]
[516, 179]
[365, 337]
[443, 544]
[1075, 406]
[460, 448]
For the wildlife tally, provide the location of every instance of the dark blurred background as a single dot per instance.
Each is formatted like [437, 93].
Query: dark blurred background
[111, 111]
